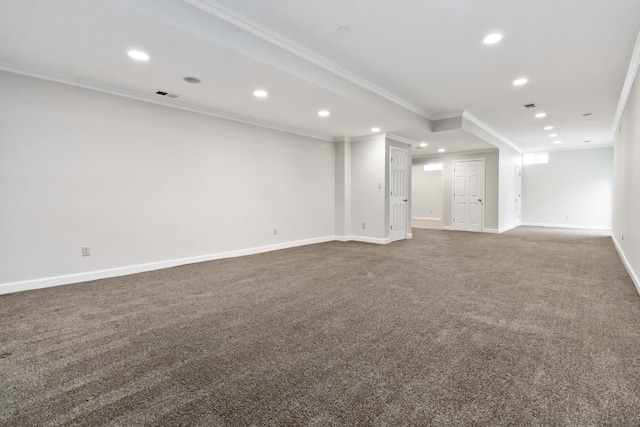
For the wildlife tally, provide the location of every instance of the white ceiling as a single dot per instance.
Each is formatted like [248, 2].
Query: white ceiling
[396, 67]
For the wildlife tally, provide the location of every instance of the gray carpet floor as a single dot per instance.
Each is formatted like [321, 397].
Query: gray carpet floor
[531, 327]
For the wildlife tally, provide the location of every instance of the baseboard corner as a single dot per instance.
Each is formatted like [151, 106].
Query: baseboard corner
[634, 277]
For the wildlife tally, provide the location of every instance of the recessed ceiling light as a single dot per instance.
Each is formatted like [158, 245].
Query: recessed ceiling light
[587, 114]
[193, 80]
[260, 93]
[138, 55]
[588, 141]
[548, 127]
[423, 144]
[541, 115]
[557, 142]
[553, 135]
[376, 129]
[323, 113]
[520, 82]
[343, 30]
[441, 150]
[492, 38]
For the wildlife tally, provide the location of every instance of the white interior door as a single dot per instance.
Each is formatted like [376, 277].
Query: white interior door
[518, 195]
[468, 195]
[398, 223]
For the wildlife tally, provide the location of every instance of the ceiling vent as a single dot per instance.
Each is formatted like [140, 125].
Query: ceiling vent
[529, 105]
[167, 94]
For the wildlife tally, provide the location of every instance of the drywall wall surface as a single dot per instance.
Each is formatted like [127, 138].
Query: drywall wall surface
[509, 159]
[141, 183]
[368, 187]
[426, 193]
[626, 182]
[573, 189]
[343, 187]
[491, 184]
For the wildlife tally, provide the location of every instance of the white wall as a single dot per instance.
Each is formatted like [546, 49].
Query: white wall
[509, 158]
[626, 184]
[491, 185]
[573, 189]
[426, 193]
[343, 188]
[141, 183]
[368, 187]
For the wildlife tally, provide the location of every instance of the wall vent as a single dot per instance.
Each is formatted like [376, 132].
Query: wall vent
[167, 94]
[529, 105]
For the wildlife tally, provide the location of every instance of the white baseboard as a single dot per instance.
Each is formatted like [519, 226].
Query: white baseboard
[507, 228]
[68, 279]
[447, 227]
[490, 230]
[583, 227]
[409, 235]
[363, 239]
[625, 261]
[426, 218]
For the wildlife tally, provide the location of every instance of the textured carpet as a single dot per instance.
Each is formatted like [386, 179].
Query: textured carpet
[531, 327]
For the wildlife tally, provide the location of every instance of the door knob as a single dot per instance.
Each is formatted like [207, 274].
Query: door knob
[406, 200]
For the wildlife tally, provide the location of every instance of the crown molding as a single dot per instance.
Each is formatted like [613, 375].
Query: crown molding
[399, 138]
[569, 148]
[628, 83]
[241, 21]
[110, 90]
[360, 137]
[417, 157]
[482, 125]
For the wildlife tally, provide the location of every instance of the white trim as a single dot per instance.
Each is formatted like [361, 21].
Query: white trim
[507, 228]
[490, 230]
[569, 148]
[400, 139]
[426, 218]
[148, 99]
[409, 235]
[48, 282]
[447, 227]
[245, 23]
[363, 239]
[362, 137]
[476, 121]
[625, 261]
[572, 226]
[628, 83]
[422, 159]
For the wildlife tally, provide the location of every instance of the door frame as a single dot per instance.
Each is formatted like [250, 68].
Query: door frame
[518, 221]
[453, 190]
[407, 210]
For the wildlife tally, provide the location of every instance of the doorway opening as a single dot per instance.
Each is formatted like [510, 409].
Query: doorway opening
[427, 195]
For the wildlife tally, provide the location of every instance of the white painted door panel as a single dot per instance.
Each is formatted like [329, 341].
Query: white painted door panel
[518, 195]
[468, 195]
[398, 175]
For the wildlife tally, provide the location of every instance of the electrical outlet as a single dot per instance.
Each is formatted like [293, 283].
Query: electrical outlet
[379, 186]
[275, 231]
[566, 217]
[364, 226]
[86, 251]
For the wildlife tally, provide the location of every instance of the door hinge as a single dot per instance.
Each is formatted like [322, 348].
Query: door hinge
[392, 227]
